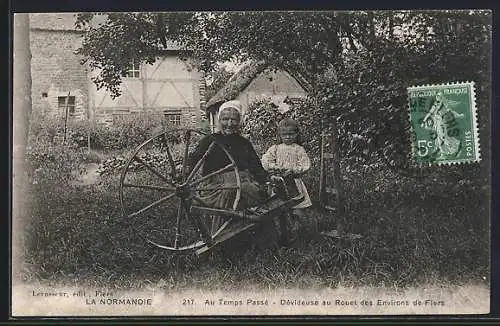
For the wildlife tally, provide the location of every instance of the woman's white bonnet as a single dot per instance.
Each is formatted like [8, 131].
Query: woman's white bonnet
[234, 104]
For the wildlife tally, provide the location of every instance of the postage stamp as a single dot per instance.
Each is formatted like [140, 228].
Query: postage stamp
[444, 124]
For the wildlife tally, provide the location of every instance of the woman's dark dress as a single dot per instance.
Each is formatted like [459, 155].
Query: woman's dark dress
[252, 175]
[253, 178]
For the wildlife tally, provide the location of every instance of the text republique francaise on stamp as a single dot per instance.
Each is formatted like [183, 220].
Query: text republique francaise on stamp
[444, 124]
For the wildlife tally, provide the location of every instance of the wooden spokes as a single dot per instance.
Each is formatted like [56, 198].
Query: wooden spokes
[214, 188]
[152, 205]
[159, 184]
[149, 187]
[212, 174]
[198, 165]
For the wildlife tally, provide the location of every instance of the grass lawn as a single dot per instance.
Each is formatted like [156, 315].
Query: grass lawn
[413, 232]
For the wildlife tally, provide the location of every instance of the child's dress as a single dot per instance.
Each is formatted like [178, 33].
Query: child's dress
[292, 157]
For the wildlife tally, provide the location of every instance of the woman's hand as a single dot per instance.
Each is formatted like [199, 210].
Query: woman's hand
[274, 171]
[275, 178]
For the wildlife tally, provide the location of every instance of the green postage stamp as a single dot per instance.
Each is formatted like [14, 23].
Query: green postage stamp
[443, 124]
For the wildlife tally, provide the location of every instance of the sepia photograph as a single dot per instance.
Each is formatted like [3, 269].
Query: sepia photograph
[251, 163]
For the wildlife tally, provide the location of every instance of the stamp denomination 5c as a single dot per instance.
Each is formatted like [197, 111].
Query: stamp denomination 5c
[444, 124]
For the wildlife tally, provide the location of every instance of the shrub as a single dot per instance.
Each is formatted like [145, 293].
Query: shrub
[153, 153]
[47, 163]
[46, 129]
[127, 131]
[49, 158]
[261, 122]
[116, 163]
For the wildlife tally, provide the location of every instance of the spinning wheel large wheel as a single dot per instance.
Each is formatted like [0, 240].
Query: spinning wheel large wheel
[159, 185]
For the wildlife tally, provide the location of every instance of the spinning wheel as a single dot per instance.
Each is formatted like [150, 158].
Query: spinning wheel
[160, 184]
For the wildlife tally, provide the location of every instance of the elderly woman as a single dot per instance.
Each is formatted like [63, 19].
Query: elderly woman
[252, 175]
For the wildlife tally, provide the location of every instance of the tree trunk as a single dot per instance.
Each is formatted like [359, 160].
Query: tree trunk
[21, 85]
[20, 125]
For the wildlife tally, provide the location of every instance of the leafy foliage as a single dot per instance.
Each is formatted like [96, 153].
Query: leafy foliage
[115, 164]
[217, 80]
[295, 40]
[109, 47]
[126, 132]
[368, 93]
[261, 124]
[298, 41]
[359, 63]
[406, 239]
[78, 234]
[48, 164]
[50, 160]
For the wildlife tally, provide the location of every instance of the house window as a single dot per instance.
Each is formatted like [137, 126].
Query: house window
[173, 117]
[134, 70]
[61, 104]
[117, 118]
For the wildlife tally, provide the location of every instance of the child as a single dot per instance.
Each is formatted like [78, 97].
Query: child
[289, 157]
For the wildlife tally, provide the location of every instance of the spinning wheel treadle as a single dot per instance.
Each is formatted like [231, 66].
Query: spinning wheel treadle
[247, 219]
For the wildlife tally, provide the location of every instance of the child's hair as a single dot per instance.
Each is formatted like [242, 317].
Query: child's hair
[290, 123]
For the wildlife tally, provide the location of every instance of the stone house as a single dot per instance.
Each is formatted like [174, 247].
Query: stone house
[170, 86]
[252, 82]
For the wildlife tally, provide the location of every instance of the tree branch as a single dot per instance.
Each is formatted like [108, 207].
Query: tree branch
[160, 28]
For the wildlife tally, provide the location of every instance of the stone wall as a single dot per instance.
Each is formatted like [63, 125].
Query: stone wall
[56, 71]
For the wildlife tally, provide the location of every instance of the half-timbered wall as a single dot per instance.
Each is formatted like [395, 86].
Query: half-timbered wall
[169, 86]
